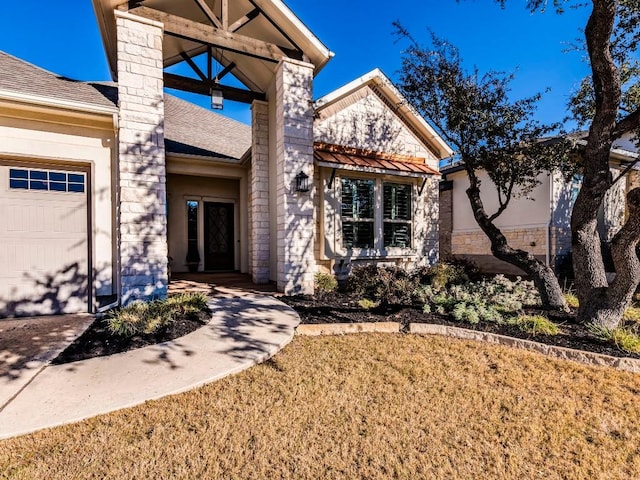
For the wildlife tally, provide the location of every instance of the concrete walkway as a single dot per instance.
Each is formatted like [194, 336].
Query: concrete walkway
[246, 329]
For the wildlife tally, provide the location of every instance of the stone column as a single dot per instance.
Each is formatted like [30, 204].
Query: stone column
[259, 237]
[141, 163]
[294, 154]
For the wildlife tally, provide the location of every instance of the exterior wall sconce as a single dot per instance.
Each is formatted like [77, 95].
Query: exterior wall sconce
[302, 182]
[217, 98]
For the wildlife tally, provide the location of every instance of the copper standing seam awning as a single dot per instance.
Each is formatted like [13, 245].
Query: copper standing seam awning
[355, 159]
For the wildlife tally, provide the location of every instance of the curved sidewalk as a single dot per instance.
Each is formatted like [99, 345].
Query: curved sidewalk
[245, 329]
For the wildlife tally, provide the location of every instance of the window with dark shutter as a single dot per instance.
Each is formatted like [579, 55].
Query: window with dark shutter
[397, 215]
[357, 213]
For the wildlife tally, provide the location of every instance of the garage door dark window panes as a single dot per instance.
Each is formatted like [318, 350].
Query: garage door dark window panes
[26, 179]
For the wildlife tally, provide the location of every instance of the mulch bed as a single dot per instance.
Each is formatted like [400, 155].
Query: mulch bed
[96, 341]
[343, 308]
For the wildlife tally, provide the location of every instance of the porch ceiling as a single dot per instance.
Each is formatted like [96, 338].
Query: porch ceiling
[253, 36]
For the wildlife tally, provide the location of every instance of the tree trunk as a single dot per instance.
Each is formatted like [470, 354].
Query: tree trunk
[601, 303]
[543, 276]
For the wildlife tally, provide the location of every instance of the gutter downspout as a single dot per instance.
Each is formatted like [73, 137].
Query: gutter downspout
[117, 272]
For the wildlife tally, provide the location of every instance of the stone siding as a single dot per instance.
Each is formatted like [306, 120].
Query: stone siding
[364, 120]
[259, 234]
[141, 165]
[294, 154]
[446, 223]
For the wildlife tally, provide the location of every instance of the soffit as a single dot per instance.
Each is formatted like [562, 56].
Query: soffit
[275, 24]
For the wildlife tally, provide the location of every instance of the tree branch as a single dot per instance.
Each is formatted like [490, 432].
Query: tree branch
[630, 122]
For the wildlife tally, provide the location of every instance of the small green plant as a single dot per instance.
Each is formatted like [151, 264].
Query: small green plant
[367, 304]
[325, 283]
[571, 299]
[535, 325]
[626, 339]
[386, 285]
[466, 313]
[632, 315]
[149, 317]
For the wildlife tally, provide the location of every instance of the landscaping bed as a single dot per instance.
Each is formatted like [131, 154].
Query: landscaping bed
[138, 326]
[387, 295]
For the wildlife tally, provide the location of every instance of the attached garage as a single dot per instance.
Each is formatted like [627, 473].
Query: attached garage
[44, 259]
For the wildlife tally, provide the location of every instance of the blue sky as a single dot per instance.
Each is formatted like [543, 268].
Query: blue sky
[64, 38]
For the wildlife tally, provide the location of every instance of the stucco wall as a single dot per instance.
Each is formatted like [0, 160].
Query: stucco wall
[531, 210]
[51, 136]
[182, 188]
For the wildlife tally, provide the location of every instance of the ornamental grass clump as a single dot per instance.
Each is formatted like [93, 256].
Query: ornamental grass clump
[535, 324]
[625, 338]
[147, 318]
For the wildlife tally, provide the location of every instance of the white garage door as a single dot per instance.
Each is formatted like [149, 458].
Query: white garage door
[43, 241]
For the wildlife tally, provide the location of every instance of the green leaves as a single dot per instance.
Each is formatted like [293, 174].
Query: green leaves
[475, 114]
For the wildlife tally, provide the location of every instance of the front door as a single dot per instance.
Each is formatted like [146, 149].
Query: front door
[218, 236]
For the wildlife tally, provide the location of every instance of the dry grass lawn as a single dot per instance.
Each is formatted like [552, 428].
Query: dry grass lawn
[363, 407]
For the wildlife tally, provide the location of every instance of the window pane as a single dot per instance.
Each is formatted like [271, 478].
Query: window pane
[397, 235]
[15, 173]
[58, 186]
[357, 234]
[397, 201]
[76, 178]
[76, 187]
[57, 177]
[18, 184]
[357, 198]
[38, 185]
[38, 175]
[192, 225]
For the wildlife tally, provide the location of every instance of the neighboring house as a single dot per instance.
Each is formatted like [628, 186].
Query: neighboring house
[107, 187]
[538, 222]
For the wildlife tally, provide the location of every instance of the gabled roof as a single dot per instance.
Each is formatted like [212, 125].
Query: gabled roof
[26, 82]
[349, 158]
[192, 130]
[275, 23]
[381, 85]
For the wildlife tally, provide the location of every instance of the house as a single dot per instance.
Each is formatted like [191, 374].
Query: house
[107, 187]
[539, 222]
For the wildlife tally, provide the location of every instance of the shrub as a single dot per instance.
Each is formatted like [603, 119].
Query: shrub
[535, 324]
[386, 285]
[325, 283]
[149, 317]
[626, 339]
[444, 274]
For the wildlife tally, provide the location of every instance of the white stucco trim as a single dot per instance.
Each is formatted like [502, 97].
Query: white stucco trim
[56, 103]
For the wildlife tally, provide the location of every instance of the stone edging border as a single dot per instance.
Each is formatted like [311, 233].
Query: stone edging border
[589, 358]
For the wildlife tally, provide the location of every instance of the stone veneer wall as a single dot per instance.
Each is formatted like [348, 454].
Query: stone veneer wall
[259, 235]
[294, 154]
[446, 222]
[141, 165]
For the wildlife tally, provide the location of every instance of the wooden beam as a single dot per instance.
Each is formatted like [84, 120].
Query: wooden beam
[224, 71]
[199, 32]
[225, 14]
[204, 88]
[241, 22]
[208, 13]
[193, 66]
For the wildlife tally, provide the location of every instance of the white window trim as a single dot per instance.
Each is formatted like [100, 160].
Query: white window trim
[378, 251]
